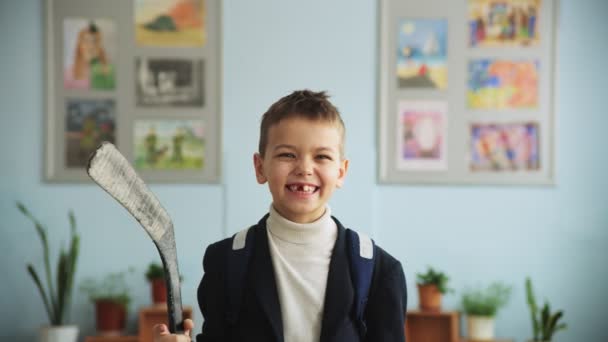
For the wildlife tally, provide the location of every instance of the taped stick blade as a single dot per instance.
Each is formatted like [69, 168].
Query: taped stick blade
[109, 168]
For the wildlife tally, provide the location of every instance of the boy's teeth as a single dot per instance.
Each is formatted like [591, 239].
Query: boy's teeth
[303, 188]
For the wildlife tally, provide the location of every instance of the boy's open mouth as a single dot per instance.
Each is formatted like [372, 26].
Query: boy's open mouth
[302, 188]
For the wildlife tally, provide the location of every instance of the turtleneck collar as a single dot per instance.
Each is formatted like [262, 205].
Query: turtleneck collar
[320, 231]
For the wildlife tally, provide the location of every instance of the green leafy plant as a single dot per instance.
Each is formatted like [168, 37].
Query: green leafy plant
[112, 287]
[56, 295]
[431, 276]
[155, 271]
[544, 322]
[486, 302]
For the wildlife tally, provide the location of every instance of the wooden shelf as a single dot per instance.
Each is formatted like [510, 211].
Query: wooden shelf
[501, 340]
[148, 317]
[428, 326]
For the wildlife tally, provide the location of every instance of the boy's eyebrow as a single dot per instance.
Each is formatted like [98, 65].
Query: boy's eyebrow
[323, 148]
[292, 147]
[284, 146]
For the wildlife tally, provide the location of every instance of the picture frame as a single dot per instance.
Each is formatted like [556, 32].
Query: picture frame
[466, 92]
[142, 74]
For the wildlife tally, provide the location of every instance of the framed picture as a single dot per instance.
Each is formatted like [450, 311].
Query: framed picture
[144, 75]
[466, 92]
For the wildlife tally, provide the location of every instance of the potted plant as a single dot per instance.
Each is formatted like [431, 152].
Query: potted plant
[111, 296]
[431, 285]
[544, 322]
[480, 306]
[56, 295]
[156, 277]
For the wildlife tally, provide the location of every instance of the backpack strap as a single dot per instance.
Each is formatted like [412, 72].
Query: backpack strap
[361, 254]
[237, 265]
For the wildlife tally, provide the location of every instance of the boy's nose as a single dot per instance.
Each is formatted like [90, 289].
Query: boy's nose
[304, 168]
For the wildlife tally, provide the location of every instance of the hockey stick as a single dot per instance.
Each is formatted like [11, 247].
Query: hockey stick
[108, 168]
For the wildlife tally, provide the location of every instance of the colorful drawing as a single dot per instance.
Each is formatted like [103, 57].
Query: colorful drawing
[169, 144]
[169, 82]
[501, 84]
[88, 123]
[421, 53]
[88, 53]
[503, 22]
[170, 22]
[505, 147]
[421, 135]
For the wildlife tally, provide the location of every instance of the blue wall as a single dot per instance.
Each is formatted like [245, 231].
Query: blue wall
[557, 235]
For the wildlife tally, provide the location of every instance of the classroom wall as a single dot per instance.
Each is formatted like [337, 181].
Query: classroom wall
[557, 235]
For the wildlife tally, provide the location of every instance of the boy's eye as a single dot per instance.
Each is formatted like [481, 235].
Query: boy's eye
[324, 156]
[286, 155]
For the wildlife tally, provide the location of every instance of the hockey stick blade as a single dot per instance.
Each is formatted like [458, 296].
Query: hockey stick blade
[113, 173]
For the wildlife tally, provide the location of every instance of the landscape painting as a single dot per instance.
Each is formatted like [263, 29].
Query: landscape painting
[422, 53]
[170, 23]
[169, 144]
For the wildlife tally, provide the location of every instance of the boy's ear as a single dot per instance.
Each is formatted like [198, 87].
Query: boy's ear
[258, 165]
[342, 172]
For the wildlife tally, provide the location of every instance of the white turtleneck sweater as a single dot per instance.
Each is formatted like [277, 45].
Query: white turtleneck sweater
[300, 256]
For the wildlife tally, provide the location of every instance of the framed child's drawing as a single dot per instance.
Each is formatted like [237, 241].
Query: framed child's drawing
[466, 91]
[142, 74]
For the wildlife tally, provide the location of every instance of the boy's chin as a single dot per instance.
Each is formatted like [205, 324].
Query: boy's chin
[301, 214]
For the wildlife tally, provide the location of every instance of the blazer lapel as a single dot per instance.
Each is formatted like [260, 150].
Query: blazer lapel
[339, 292]
[265, 287]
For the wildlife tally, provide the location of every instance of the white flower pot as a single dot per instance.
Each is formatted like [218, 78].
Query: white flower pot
[59, 333]
[480, 327]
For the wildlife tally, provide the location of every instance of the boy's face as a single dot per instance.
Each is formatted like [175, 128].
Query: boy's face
[303, 166]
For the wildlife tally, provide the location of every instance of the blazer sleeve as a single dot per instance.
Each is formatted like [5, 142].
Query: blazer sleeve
[211, 295]
[387, 303]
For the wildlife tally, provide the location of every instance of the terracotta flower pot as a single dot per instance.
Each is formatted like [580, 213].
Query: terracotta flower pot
[111, 317]
[159, 291]
[429, 297]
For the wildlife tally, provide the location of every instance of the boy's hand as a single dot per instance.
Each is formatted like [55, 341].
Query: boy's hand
[161, 333]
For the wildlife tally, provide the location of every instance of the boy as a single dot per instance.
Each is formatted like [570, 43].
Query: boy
[298, 286]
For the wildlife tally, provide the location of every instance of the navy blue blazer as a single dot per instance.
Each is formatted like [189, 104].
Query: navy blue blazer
[260, 316]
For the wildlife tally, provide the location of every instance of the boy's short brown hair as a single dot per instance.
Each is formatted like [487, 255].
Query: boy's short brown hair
[305, 104]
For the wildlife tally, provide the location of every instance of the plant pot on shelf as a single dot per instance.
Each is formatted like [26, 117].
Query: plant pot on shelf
[429, 297]
[111, 317]
[159, 291]
[58, 333]
[480, 327]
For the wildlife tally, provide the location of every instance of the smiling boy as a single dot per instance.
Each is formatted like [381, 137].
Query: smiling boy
[298, 286]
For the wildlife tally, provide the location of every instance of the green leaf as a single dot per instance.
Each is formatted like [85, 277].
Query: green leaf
[486, 302]
[56, 302]
[72, 258]
[36, 279]
[62, 275]
[553, 323]
[533, 308]
[434, 277]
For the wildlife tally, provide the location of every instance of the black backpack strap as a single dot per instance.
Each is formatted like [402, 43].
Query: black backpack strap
[237, 264]
[361, 254]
